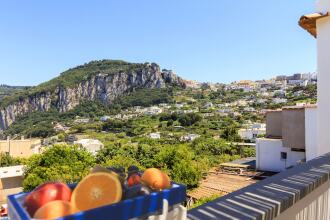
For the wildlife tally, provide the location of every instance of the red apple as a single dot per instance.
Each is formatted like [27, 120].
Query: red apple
[45, 193]
[134, 179]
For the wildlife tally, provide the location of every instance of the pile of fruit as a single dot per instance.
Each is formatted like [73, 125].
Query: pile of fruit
[103, 186]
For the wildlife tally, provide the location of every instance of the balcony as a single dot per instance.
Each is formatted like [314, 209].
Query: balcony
[302, 192]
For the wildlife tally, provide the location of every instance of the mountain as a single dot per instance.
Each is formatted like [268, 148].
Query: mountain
[102, 81]
[6, 90]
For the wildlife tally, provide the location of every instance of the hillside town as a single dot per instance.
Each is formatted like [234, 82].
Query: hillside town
[245, 105]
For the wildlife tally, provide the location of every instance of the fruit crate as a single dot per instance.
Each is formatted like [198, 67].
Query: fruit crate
[157, 205]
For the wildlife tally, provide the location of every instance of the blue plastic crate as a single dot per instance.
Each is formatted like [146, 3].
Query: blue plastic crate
[137, 207]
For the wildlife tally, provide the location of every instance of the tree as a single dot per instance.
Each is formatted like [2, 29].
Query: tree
[189, 119]
[6, 160]
[57, 163]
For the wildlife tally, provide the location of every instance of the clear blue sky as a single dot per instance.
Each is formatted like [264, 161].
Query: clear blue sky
[205, 40]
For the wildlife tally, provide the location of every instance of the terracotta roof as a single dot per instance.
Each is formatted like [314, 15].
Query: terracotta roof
[308, 22]
[220, 184]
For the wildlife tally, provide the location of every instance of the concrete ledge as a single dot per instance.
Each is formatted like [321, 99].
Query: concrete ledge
[269, 198]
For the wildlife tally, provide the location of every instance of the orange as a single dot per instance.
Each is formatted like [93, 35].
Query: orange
[155, 179]
[55, 209]
[96, 190]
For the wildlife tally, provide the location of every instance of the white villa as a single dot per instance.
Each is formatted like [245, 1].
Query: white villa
[301, 133]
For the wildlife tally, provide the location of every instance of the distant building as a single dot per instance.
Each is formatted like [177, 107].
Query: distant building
[298, 93]
[249, 109]
[245, 85]
[225, 110]
[81, 120]
[11, 179]
[105, 118]
[20, 148]
[154, 135]
[179, 105]
[91, 145]
[280, 93]
[189, 137]
[252, 131]
[208, 105]
[241, 102]
[154, 110]
[59, 127]
[279, 100]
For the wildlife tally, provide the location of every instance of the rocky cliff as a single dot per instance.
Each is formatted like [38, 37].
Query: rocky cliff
[102, 86]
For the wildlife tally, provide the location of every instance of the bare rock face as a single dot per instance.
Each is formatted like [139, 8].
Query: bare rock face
[102, 87]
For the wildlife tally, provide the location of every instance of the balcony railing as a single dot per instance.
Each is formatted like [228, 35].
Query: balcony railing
[300, 193]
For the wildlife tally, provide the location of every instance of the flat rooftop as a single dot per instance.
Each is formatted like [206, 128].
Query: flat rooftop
[13, 171]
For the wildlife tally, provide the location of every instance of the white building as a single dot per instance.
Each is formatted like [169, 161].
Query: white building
[208, 105]
[249, 109]
[318, 24]
[81, 120]
[252, 131]
[105, 118]
[153, 110]
[279, 100]
[225, 110]
[189, 137]
[154, 135]
[250, 134]
[290, 138]
[179, 105]
[91, 145]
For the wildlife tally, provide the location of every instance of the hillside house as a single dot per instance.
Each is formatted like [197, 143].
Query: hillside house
[153, 110]
[279, 100]
[91, 145]
[189, 137]
[155, 135]
[81, 120]
[105, 118]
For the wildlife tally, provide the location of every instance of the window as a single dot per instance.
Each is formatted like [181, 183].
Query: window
[284, 155]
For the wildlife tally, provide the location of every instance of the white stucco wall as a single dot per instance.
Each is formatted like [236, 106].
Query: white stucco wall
[268, 155]
[323, 6]
[323, 85]
[310, 133]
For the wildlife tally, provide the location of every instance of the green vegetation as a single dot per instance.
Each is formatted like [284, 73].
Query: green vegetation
[73, 76]
[58, 163]
[145, 98]
[184, 162]
[9, 90]
[212, 117]
[7, 160]
[39, 124]
[204, 200]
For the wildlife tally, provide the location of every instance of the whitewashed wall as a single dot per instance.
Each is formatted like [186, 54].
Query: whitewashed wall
[310, 133]
[323, 115]
[268, 155]
[323, 6]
